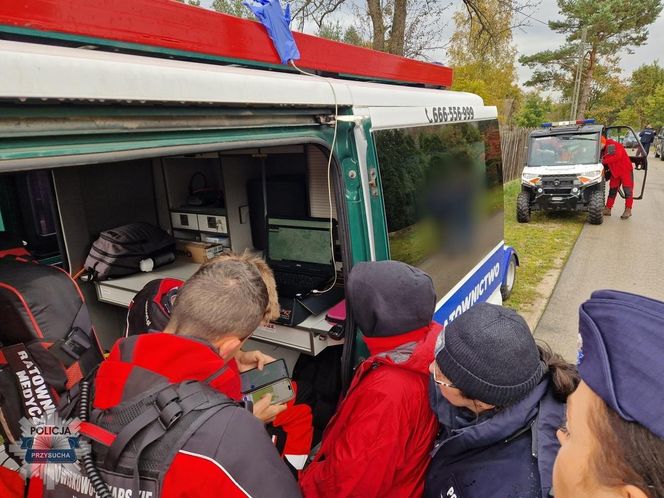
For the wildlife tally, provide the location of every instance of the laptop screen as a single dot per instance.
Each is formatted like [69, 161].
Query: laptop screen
[302, 241]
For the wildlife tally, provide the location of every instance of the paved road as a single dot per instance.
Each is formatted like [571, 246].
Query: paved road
[619, 254]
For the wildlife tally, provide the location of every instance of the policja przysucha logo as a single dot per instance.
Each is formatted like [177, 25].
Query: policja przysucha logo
[50, 447]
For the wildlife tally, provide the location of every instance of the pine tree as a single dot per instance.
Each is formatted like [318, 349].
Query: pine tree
[611, 25]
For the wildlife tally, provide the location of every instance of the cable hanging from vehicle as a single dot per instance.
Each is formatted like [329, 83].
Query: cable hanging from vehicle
[329, 168]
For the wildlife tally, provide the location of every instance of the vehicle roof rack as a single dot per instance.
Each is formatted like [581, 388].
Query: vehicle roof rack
[167, 28]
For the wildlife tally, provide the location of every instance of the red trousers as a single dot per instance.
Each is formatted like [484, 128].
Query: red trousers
[627, 181]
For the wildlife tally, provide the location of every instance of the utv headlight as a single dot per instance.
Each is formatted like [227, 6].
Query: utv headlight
[590, 176]
[531, 178]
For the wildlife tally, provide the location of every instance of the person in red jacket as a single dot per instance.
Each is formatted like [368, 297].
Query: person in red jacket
[291, 430]
[378, 443]
[622, 173]
[226, 452]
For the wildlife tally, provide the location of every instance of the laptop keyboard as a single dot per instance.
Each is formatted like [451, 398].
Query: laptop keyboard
[292, 284]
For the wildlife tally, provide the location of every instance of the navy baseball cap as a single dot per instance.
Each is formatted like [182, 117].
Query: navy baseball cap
[621, 355]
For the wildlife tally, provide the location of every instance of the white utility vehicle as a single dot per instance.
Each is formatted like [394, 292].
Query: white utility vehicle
[564, 170]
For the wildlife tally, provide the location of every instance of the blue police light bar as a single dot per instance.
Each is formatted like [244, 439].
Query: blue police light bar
[589, 121]
[547, 125]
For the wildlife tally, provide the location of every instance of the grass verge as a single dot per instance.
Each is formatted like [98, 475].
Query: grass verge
[543, 246]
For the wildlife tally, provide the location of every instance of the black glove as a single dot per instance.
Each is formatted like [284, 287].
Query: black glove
[607, 173]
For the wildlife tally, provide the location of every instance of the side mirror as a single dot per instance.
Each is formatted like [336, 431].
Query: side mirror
[610, 149]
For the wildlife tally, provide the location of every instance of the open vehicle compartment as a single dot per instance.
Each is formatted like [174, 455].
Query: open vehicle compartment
[93, 198]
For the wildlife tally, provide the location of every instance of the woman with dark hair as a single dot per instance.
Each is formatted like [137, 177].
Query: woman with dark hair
[499, 399]
[612, 445]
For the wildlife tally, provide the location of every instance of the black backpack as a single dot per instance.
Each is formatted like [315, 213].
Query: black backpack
[47, 342]
[134, 443]
[119, 251]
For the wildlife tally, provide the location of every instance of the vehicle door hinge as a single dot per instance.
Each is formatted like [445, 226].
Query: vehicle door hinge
[325, 119]
[373, 182]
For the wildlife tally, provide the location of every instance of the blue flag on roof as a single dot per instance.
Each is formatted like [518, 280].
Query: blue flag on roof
[277, 23]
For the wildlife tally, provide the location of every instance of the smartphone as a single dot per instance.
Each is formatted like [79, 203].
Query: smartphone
[281, 391]
[273, 379]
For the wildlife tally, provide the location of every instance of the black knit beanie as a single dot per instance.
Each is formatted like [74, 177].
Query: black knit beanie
[489, 354]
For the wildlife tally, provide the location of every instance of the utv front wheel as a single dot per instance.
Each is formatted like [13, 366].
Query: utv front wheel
[523, 207]
[596, 207]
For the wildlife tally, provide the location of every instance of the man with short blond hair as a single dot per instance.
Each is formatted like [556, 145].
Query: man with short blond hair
[272, 308]
[199, 311]
[196, 303]
[225, 451]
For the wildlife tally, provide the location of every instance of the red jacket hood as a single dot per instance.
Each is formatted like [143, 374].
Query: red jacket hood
[411, 351]
[173, 357]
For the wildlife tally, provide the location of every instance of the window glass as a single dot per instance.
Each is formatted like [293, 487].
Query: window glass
[564, 150]
[443, 196]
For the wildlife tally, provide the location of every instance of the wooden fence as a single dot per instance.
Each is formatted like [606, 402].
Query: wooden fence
[514, 145]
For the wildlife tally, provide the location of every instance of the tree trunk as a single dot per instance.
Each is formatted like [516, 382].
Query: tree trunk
[586, 84]
[398, 31]
[376, 16]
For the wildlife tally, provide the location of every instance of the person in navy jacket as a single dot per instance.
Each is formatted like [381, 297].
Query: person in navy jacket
[499, 399]
[647, 137]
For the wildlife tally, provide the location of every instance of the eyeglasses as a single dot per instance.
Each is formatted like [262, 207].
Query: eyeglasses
[438, 381]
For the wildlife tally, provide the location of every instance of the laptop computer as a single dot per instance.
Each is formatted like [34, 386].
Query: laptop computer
[300, 255]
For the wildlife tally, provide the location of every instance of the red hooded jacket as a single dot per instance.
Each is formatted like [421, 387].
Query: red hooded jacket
[229, 455]
[378, 443]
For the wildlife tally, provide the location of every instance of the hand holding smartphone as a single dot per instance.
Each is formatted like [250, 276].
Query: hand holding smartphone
[273, 379]
[265, 411]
